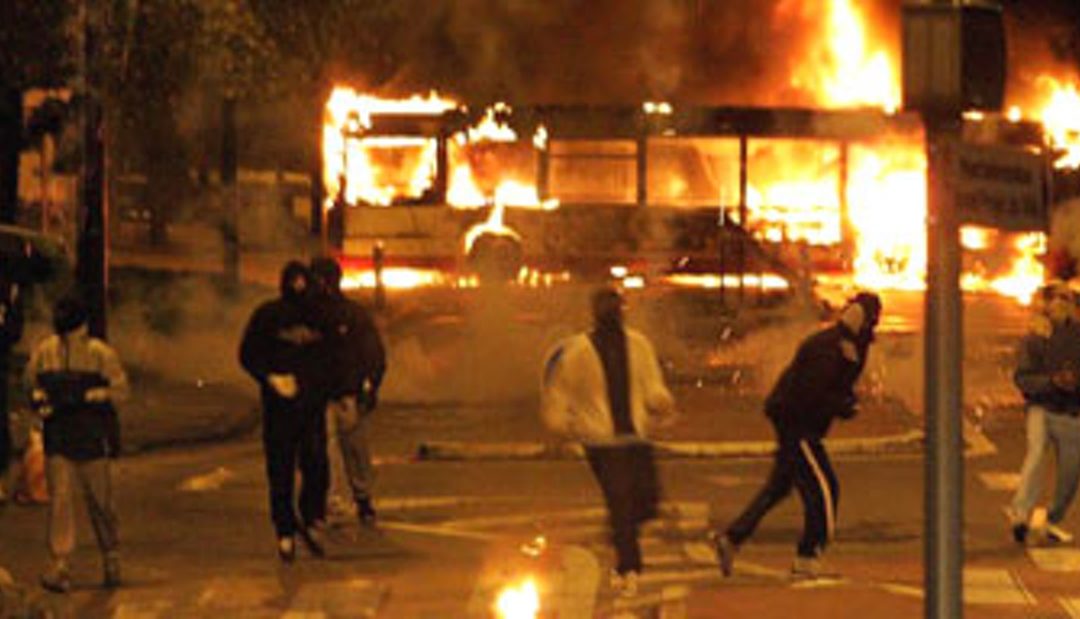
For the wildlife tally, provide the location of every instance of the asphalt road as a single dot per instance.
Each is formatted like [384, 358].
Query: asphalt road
[198, 543]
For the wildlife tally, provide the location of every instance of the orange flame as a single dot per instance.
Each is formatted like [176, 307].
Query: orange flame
[361, 161]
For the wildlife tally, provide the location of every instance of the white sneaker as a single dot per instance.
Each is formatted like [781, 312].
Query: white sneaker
[1057, 535]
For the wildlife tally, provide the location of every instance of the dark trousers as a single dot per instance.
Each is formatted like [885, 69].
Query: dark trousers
[5, 418]
[627, 477]
[801, 463]
[295, 436]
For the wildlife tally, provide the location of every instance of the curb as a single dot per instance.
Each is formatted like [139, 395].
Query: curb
[907, 442]
[976, 444]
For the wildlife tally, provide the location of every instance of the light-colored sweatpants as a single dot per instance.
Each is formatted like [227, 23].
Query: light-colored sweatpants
[93, 480]
[351, 469]
[1033, 469]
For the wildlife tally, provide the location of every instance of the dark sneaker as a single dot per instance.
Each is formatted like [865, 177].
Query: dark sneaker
[57, 579]
[112, 571]
[313, 537]
[286, 549]
[725, 552]
[366, 512]
[1020, 532]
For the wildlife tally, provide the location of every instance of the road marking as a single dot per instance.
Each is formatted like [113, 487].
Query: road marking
[1004, 482]
[1056, 559]
[1071, 606]
[995, 586]
[442, 530]
[238, 593]
[357, 597]
[207, 482]
[407, 503]
[141, 610]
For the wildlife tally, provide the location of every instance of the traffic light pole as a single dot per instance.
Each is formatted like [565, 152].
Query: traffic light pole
[944, 482]
[92, 246]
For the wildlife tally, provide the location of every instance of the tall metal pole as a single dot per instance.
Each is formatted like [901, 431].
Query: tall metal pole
[92, 245]
[944, 481]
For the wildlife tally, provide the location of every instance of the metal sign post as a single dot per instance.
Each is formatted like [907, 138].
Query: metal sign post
[944, 480]
[954, 60]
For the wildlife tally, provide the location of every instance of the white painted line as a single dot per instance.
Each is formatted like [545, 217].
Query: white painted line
[822, 582]
[440, 530]
[673, 596]
[1071, 606]
[1004, 482]
[140, 610]
[238, 593]
[899, 589]
[406, 503]
[485, 522]
[303, 614]
[700, 553]
[207, 482]
[994, 586]
[664, 560]
[665, 577]
[1056, 559]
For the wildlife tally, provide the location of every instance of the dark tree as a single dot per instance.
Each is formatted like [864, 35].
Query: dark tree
[150, 60]
[33, 53]
[332, 41]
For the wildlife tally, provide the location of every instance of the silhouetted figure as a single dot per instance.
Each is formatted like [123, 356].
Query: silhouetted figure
[817, 387]
[280, 350]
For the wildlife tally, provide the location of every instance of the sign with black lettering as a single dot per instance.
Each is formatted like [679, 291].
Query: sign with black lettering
[1001, 187]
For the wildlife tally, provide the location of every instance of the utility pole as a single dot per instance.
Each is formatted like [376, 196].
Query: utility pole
[944, 480]
[92, 246]
[954, 60]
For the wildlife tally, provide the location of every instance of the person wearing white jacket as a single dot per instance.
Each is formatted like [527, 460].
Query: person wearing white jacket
[605, 388]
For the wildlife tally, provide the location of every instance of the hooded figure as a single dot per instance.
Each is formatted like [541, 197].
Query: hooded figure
[816, 388]
[356, 364]
[1048, 375]
[281, 349]
[75, 380]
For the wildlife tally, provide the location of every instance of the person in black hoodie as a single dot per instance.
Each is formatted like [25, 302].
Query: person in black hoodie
[357, 362]
[816, 388]
[11, 328]
[280, 350]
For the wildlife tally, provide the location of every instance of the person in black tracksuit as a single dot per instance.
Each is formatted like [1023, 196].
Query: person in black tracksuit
[11, 328]
[280, 350]
[816, 388]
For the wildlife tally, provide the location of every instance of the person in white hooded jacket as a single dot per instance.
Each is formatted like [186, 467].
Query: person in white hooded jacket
[606, 389]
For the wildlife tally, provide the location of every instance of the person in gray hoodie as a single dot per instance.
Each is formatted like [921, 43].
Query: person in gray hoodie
[1048, 375]
[605, 388]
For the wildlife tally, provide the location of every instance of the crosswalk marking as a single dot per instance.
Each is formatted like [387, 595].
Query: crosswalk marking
[1000, 481]
[994, 586]
[1071, 606]
[1056, 559]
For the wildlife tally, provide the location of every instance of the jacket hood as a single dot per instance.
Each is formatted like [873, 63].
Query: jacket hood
[294, 269]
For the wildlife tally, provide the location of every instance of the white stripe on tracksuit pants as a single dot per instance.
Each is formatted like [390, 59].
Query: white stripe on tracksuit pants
[801, 463]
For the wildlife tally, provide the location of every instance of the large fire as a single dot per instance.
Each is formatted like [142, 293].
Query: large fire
[868, 197]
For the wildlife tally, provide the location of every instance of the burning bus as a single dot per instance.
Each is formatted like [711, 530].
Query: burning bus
[429, 190]
[712, 197]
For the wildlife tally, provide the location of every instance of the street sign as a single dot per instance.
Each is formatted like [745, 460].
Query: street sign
[1001, 187]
